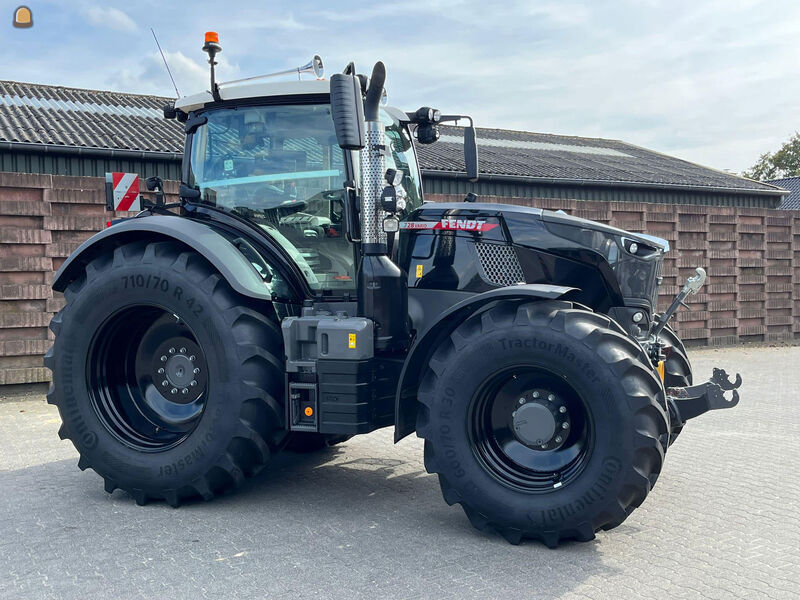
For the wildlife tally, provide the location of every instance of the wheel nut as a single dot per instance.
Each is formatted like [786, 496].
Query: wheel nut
[559, 439]
[565, 425]
[161, 371]
[544, 446]
[562, 409]
[196, 370]
[185, 391]
[173, 391]
[183, 350]
[550, 397]
[172, 350]
[165, 383]
[164, 358]
[192, 357]
[535, 394]
[522, 400]
[193, 383]
[514, 414]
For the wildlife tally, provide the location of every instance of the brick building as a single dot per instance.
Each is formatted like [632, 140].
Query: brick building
[56, 143]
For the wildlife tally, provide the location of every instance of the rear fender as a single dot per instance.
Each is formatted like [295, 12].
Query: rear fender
[406, 405]
[214, 247]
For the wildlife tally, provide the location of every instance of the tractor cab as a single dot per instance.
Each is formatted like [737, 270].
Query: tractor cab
[276, 162]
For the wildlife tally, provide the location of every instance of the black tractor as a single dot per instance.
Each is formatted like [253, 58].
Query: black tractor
[301, 292]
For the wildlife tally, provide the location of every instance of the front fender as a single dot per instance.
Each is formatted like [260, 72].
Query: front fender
[406, 405]
[215, 248]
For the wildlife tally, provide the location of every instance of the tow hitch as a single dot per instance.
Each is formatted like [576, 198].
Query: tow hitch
[689, 402]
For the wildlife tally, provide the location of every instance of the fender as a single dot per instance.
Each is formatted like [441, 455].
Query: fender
[214, 247]
[405, 412]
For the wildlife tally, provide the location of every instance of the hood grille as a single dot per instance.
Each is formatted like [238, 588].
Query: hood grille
[499, 264]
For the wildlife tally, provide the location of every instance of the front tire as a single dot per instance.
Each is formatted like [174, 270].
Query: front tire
[677, 370]
[532, 476]
[168, 383]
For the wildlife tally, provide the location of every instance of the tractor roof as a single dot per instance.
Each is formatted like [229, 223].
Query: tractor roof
[254, 89]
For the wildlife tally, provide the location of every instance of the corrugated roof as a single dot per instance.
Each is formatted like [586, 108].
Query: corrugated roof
[792, 201]
[547, 156]
[62, 116]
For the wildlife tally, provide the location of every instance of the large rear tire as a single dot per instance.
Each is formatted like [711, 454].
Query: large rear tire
[168, 383]
[543, 421]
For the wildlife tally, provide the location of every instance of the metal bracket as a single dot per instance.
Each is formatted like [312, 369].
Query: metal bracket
[690, 402]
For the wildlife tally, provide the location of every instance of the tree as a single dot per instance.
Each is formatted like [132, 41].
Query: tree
[783, 163]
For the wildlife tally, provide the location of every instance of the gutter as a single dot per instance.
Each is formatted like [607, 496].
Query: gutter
[780, 193]
[90, 152]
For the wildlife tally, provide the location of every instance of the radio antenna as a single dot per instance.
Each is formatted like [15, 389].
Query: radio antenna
[164, 58]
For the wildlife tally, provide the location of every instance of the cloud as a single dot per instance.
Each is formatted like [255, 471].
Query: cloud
[151, 77]
[112, 18]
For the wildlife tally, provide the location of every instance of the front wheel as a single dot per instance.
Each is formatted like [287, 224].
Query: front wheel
[542, 421]
[168, 383]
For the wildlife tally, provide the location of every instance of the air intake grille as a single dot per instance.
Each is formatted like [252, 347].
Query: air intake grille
[499, 264]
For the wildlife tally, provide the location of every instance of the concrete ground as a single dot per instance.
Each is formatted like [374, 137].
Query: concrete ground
[364, 520]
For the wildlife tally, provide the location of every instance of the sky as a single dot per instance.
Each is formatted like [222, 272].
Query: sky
[711, 81]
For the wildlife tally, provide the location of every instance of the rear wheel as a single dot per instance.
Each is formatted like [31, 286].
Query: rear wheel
[543, 421]
[169, 384]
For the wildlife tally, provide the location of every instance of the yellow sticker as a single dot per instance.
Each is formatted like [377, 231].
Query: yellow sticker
[419, 271]
[351, 340]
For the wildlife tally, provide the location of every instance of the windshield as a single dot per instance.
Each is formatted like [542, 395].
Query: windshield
[282, 168]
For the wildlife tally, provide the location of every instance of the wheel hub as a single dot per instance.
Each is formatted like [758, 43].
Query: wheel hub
[541, 420]
[179, 370]
[534, 424]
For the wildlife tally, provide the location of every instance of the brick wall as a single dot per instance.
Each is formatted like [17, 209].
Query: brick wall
[752, 256]
[43, 218]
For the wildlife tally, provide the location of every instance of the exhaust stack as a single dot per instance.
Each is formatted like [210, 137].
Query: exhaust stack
[373, 167]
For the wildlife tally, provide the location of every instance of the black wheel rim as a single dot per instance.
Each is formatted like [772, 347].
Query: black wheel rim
[147, 378]
[530, 429]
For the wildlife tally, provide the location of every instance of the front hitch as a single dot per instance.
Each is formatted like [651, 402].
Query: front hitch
[689, 402]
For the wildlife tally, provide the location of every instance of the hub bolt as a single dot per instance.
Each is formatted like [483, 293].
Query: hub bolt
[161, 371]
[165, 383]
[173, 391]
[514, 414]
[550, 397]
[562, 409]
[164, 358]
[192, 357]
[522, 400]
[565, 425]
[535, 394]
[193, 383]
[172, 350]
[183, 350]
[559, 439]
[196, 370]
[185, 391]
[544, 446]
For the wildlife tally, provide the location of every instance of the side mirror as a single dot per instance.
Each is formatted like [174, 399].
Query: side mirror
[471, 153]
[347, 110]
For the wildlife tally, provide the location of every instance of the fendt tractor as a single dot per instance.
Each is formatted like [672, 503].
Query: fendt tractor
[301, 292]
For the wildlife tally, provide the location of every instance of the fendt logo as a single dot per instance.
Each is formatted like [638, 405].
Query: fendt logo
[450, 225]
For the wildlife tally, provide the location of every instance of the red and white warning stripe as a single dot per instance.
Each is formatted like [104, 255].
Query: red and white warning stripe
[450, 225]
[125, 191]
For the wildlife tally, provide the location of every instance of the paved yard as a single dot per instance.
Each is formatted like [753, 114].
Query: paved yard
[365, 520]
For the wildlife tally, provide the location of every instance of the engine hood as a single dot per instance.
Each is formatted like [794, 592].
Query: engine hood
[536, 216]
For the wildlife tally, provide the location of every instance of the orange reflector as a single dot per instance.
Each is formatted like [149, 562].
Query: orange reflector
[309, 411]
[660, 367]
[212, 37]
